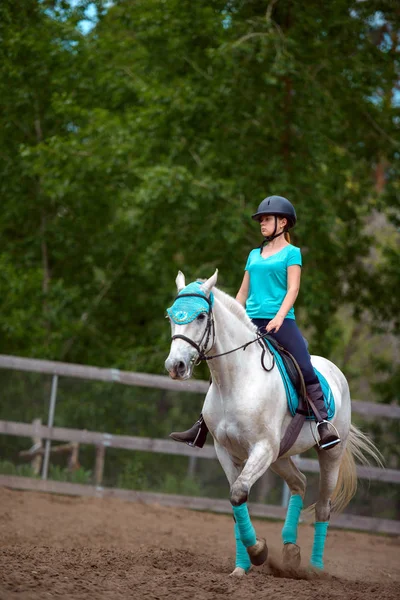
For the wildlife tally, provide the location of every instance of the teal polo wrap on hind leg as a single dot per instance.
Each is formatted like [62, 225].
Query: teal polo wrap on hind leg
[320, 531]
[246, 529]
[242, 557]
[289, 530]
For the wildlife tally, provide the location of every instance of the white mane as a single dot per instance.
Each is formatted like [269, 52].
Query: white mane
[234, 307]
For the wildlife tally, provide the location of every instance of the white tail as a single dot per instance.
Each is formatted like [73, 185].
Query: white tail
[360, 447]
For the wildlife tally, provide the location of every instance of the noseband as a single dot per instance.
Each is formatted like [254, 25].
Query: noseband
[207, 332]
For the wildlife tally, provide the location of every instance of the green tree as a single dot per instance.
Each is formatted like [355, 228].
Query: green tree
[144, 146]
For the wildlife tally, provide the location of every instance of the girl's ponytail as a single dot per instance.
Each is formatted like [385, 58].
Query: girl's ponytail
[287, 236]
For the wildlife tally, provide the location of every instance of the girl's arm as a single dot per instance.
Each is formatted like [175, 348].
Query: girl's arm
[243, 292]
[293, 283]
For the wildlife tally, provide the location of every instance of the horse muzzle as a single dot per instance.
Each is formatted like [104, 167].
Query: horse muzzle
[179, 369]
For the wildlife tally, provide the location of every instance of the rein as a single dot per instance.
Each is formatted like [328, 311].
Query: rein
[244, 346]
[207, 332]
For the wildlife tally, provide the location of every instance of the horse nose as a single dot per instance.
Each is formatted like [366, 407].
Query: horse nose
[180, 368]
[176, 368]
[169, 364]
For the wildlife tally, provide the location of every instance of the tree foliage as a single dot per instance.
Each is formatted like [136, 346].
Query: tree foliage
[143, 146]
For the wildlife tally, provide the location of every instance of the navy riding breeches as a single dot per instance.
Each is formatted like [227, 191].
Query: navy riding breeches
[289, 336]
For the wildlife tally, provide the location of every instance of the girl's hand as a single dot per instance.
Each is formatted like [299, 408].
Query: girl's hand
[274, 325]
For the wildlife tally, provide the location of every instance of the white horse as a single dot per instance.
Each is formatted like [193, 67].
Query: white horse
[247, 414]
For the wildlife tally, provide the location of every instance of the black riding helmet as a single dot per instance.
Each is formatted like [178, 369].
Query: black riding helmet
[279, 206]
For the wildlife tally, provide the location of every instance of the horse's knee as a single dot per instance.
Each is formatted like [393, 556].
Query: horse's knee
[239, 494]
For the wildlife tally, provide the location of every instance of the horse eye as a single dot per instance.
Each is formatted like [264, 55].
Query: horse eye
[201, 317]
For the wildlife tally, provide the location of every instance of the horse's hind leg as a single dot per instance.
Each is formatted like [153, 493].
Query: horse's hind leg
[296, 481]
[329, 464]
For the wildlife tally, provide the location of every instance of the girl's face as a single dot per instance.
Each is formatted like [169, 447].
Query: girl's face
[267, 224]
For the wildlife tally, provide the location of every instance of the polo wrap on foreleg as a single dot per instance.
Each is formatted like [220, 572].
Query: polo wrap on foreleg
[242, 558]
[246, 529]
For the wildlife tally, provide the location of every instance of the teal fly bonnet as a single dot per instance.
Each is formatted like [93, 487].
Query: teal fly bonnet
[185, 309]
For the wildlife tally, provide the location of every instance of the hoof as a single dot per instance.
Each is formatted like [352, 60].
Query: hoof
[259, 552]
[238, 573]
[291, 556]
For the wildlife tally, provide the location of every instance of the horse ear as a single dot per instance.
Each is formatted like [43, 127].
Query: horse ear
[180, 281]
[209, 284]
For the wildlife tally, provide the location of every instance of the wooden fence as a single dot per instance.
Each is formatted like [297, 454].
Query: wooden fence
[37, 431]
[145, 444]
[106, 440]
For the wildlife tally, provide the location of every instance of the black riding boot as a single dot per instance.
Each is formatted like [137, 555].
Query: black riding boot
[328, 436]
[195, 436]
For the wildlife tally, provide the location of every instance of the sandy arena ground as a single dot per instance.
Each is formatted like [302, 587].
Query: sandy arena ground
[84, 548]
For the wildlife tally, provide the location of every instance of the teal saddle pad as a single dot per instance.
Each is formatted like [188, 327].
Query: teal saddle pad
[291, 394]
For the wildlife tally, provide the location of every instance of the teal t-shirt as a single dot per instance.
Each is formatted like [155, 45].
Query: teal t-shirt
[268, 281]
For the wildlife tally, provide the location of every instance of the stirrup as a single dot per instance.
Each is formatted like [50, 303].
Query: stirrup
[193, 444]
[194, 437]
[332, 440]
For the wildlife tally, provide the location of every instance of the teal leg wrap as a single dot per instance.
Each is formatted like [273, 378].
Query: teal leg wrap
[321, 529]
[246, 529]
[242, 558]
[289, 531]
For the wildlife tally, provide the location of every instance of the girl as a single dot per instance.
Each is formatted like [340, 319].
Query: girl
[268, 292]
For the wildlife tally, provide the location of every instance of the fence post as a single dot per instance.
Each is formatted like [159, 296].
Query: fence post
[99, 466]
[36, 461]
[264, 486]
[73, 461]
[50, 422]
[191, 466]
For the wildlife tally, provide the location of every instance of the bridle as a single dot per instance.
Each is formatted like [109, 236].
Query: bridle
[210, 327]
[210, 330]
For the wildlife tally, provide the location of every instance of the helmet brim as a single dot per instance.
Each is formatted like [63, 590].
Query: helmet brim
[290, 220]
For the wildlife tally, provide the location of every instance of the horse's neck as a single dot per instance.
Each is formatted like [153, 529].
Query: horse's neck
[239, 382]
[231, 332]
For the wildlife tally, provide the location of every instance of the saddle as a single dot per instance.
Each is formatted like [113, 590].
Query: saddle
[300, 406]
[292, 368]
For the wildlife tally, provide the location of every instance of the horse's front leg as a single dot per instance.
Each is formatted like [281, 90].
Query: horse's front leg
[258, 462]
[232, 472]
